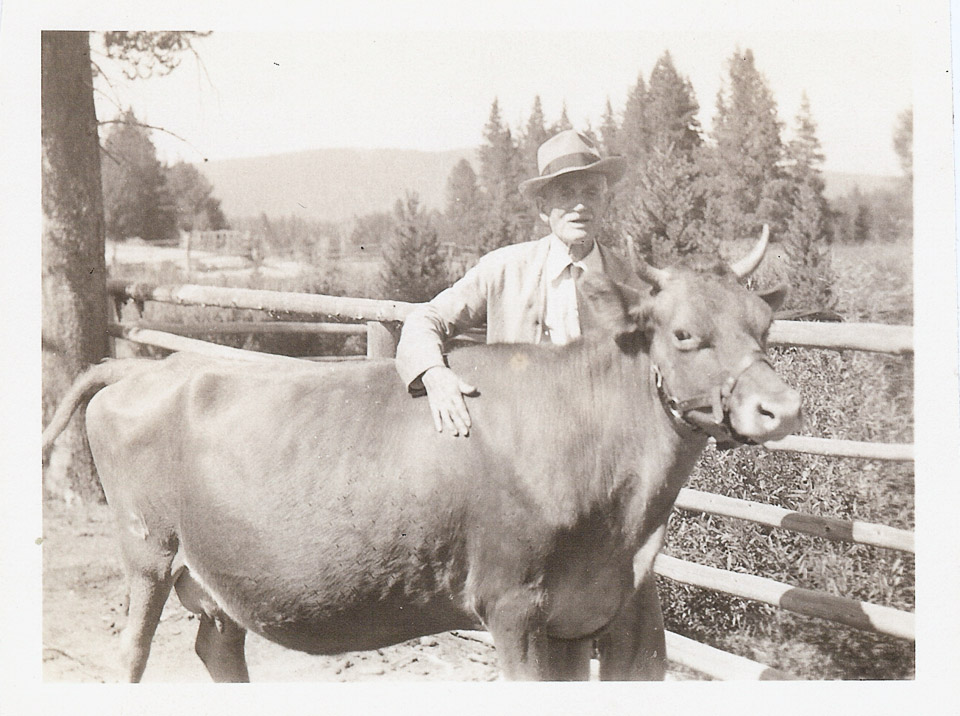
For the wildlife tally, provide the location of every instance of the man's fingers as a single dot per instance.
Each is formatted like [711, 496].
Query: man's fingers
[445, 392]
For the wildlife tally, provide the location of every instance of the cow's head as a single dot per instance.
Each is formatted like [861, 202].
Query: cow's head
[705, 335]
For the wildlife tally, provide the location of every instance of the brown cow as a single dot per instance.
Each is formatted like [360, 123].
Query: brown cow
[318, 507]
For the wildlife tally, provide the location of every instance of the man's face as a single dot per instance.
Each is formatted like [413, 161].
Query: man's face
[573, 205]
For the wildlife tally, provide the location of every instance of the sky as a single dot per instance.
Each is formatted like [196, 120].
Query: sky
[430, 88]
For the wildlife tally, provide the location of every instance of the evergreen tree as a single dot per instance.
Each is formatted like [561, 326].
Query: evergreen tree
[634, 134]
[137, 201]
[609, 131]
[533, 136]
[371, 231]
[671, 108]
[506, 218]
[807, 252]
[861, 223]
[747, 187]
[196, 207]
[413, 266]
[563, 123]
[903, 142]
[808, 231]
[463, 217]
[804, 151]
[660, 202]
[902, 200]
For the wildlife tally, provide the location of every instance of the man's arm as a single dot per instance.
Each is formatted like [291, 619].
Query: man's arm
[420, 350]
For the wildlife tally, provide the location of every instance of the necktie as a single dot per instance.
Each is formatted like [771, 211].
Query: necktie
[576, 273]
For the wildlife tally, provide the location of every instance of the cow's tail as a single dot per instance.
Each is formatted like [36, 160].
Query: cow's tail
[85, 387]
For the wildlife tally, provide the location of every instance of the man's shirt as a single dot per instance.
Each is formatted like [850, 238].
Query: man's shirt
[561, 318]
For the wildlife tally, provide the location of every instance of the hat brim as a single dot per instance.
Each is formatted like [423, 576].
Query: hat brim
[611, 167]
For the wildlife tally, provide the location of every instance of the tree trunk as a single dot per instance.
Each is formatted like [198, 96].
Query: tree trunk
[74, 308]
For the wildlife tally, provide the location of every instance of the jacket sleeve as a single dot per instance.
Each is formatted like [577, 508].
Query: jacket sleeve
[452, 311]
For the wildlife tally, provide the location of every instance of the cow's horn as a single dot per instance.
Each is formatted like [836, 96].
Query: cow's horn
[748, 264]
[654, 276]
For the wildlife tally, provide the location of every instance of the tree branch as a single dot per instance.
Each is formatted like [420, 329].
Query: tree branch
[151, 126]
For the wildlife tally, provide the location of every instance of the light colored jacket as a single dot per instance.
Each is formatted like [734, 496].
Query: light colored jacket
[505, 289]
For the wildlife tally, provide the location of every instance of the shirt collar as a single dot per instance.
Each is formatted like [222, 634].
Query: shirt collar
[558, 258]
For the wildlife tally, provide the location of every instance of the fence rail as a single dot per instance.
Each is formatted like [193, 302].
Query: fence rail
[860, 615]
[357, 309]
[875, 337]
[772, 516]
[380, 319]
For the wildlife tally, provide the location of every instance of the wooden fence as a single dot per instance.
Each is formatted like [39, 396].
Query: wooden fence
[380, 320]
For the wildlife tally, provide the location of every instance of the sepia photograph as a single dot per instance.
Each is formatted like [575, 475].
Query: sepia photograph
[424, 347]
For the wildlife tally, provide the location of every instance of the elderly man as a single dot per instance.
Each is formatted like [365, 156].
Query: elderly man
[525, 293]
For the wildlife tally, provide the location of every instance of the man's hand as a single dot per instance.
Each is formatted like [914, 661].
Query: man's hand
[445, 393]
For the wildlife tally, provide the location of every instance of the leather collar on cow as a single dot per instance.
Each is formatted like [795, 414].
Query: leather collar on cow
[717, 400]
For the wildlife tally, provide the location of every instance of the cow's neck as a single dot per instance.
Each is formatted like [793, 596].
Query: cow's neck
[656, 455]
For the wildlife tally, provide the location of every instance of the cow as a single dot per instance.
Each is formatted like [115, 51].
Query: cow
[318, 507]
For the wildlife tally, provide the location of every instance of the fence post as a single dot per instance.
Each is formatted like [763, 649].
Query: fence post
[381, 341]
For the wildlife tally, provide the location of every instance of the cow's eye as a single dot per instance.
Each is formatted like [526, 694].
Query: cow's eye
[684, 339]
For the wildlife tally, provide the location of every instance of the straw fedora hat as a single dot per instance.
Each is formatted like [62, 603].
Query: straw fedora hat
[566, 152]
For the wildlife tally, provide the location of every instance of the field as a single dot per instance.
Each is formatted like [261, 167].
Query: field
[846, 395]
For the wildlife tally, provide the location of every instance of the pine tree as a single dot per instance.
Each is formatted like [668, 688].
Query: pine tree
[137, 201]
[804, 151]
[609, 131]
[808, 231]
[413, 266]
[902, 200]
[660, 202]
[861, 223]
[533, 136]
[903, 142]
[506, 218]
[748, 186]
[196, 207]
[671, 108]
[807, 252]
[463, 212]
[563, 123]
[634, 134]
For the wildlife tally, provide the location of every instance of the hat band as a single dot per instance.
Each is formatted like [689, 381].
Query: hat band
[580, 159]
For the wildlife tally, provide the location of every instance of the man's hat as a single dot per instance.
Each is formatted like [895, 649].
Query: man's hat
[566, 152]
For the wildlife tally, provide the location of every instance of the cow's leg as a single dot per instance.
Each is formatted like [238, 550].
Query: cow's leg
[148, 586]
[219, 645]
[524, 650]
[220, 640]
[565, 659]
[633, 647]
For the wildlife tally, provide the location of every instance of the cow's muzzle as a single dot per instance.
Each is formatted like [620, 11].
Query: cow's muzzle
[731, 417]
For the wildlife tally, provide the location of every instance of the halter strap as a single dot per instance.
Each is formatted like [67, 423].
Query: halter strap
[717, 399]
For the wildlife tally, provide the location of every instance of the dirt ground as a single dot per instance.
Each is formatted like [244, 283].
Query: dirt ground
[83, 613]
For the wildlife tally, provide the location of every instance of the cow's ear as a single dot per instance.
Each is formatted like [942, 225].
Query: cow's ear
[603, 306]
[633, 338]
[774, 297]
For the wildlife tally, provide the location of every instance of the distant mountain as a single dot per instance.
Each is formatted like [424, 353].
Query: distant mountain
[331, 184]
[339, 184]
